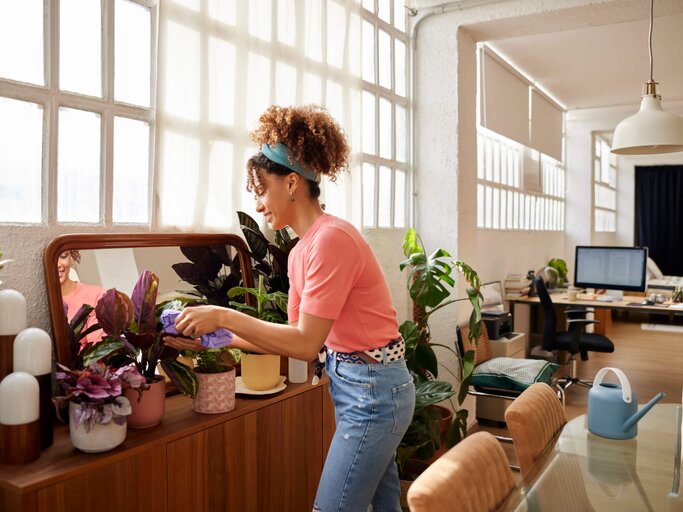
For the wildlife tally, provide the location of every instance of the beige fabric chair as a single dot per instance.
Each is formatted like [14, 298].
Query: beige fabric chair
[533, 420]
[473, 476]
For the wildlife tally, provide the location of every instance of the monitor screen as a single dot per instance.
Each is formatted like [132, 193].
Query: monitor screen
[615, 268]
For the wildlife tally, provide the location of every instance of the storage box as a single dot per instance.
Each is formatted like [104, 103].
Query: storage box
[512, 344]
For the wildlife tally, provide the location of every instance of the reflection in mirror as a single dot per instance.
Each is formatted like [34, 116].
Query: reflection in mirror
[79, 268]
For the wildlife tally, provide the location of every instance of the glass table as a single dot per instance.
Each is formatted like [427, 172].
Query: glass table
[581, 471]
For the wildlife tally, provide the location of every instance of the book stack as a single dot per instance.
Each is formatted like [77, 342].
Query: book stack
[516, 286]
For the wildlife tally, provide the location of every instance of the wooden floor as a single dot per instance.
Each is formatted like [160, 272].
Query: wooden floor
[652, 361]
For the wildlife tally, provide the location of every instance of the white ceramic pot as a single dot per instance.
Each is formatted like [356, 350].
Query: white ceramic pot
[100, 438]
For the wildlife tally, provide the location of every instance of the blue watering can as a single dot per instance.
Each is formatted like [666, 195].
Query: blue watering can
[613, 408]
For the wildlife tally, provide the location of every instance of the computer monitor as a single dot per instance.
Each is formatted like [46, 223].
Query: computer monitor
[614, 268]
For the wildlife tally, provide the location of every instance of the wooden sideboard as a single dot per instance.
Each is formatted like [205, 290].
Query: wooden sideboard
[266, 454]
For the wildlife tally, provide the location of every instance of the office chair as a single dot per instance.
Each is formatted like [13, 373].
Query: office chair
[575, 341]
[472, 476]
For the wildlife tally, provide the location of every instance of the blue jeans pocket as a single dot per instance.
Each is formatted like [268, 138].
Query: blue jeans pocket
[351, 374]
[404, 406]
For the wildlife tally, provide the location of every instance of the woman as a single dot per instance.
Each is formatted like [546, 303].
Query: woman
[339, 297]
[75, 294]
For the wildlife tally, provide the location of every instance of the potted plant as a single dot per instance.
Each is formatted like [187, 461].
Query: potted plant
[97, 406]
[216, 381]
[261, 371]
[430, 283]
[134, 336]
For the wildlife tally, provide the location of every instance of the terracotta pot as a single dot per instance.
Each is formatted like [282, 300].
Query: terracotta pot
[215, 393]
[414, 467]
[260, 371]
[446, 420]
[149, 406]
[100, 438]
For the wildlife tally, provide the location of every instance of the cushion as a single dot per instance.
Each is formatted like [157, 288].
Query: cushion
[512, 373]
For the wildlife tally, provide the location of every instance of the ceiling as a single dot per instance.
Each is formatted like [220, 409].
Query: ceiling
[586, 54]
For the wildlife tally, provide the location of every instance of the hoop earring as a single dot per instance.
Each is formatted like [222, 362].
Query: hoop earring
[291, 196]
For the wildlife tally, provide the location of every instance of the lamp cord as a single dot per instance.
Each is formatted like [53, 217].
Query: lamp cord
[652, 14]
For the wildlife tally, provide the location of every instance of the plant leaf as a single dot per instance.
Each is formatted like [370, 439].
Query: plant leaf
[432, 392]
[101, 350]
[114, 312]
[410, 244]
[144, 301]
[425, 359]
[182, 376]
[466, 378]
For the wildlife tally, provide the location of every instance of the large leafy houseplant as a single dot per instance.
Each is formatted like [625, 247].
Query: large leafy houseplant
[430, 283]
[134, 334]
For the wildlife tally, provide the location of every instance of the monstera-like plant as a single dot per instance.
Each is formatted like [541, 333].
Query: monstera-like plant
[134, 334]
[430, 285]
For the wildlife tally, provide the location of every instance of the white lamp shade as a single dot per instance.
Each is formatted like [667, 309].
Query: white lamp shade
[19, 399]
[651, 131]
[12, 312]
[33, 352]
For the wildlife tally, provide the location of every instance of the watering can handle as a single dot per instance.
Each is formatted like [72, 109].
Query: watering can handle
[625, 384]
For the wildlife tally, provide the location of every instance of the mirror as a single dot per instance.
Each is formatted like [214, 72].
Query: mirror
[116, 261]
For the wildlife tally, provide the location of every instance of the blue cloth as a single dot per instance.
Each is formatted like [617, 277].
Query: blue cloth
[217, 339]
[279, 153]
[373, 407]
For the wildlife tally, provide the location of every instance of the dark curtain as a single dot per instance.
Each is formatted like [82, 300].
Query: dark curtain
[659, 215]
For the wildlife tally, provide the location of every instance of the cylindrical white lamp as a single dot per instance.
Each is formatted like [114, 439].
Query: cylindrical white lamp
[12, 321]
[33, 354]
[19, 419]
[298, 370]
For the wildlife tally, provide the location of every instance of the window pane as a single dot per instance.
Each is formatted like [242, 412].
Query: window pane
[21, 137]
[399, 199]
[385, 131]
[179, 164]
[258, 94]
[218, 208]
[313, 87]
[21, 28]
[369, 5]
[181, 97]
[335, 37]
[334, 101]
[369, 123]
[368, 194]
[221, 81]
[80, 40]
[384, 10]
[285, 84]
[132, 53]
[131, 171]
[368, 45]
[260, 13]
[78, 166]
[401, 134]
[399, 15]
[286, 22]
[385, 193]
[190, 4]
[400, 67]
[384, 59]
[222, 10]
[314, 31]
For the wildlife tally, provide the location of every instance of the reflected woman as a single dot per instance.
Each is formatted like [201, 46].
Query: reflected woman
[75, 294]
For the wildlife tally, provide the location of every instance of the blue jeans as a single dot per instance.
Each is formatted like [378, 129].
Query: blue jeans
[373, 407]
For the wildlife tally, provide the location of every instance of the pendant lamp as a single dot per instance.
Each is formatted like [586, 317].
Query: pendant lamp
[651, 131]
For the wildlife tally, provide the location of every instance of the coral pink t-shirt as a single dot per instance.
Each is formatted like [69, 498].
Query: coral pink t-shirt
[334, 274]
[84, 294]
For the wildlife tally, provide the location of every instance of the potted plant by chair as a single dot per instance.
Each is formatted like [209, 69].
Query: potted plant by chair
[97, 406]
[261, 371]
[134, 336]
[216, 381]
[430, 283]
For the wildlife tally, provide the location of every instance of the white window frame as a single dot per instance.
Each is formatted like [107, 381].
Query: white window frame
[601, 151]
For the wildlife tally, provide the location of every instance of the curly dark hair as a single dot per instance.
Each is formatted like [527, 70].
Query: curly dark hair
[312, 136]
[75, 255]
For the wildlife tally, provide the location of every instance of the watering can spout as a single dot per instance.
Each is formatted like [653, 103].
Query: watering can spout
[642, 412]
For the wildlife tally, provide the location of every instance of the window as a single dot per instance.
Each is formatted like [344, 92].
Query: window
[503, 202]
[604, 185]
[385, 109]
[76, 138]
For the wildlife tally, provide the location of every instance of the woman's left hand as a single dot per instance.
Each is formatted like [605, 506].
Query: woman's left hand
[195, 321]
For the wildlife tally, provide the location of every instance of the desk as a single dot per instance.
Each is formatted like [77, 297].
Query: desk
[581, 471]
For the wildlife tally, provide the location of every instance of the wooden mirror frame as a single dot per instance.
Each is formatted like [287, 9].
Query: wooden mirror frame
[117, 241]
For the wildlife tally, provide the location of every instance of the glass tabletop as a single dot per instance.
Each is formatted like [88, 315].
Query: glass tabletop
[582, 471]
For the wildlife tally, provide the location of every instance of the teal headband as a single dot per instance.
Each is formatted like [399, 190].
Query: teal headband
[280, 155]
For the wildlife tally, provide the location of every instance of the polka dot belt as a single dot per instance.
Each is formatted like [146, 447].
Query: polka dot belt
[395, 350]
